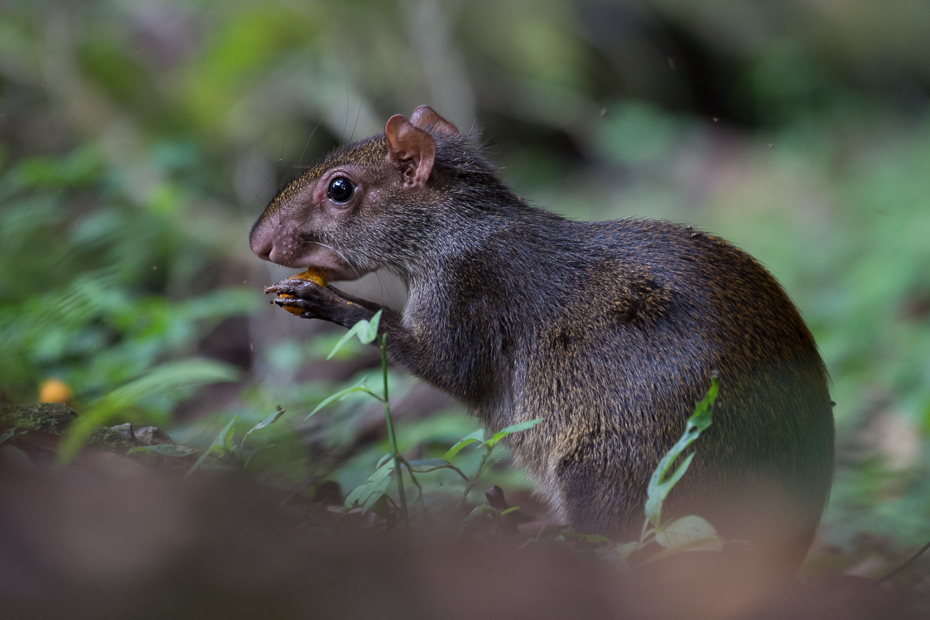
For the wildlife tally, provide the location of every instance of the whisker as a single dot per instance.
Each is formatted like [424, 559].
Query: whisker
[346, 126]
[300, 162]
[347, 260]
[355, 126]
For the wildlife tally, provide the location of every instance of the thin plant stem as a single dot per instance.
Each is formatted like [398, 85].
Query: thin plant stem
[398, 460]
[474, 479]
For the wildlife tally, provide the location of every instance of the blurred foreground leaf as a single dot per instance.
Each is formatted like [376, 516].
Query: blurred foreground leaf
[164, 379]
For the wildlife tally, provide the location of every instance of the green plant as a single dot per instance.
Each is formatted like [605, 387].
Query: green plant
[367, 495]
[688, 533]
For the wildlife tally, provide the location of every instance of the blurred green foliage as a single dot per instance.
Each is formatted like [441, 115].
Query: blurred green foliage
[138, 142]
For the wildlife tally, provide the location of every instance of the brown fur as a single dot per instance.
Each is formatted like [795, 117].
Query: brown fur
[610, 330]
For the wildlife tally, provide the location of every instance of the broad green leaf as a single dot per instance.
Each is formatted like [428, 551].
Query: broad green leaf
[370, 491]
[377, 492]
[383, 472]
[510, 430]
[365, 330]
[625, 550]
[704, 544]
[692, 532]
[358, 387]
[479, 511]
[478, 435]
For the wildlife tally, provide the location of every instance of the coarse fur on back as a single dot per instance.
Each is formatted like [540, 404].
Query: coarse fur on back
[610, 330]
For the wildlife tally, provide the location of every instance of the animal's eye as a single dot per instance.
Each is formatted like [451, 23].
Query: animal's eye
[341, 190]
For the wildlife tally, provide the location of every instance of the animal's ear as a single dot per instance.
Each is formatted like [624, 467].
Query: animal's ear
[410, 149]
[426, 118]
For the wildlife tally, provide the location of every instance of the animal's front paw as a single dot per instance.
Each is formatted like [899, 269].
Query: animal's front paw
[309, 300]
[304, 298]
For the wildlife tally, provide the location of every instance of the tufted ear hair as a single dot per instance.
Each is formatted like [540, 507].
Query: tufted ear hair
[410, 149]
[426, 118]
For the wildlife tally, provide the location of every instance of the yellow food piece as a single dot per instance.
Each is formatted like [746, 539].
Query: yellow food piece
[310, 274]
[54, 391]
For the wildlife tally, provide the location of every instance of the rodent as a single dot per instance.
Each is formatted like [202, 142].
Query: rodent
[610, 330]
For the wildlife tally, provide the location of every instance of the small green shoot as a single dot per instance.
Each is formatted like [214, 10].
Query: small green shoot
[661, 483]
[489, 445]
[376, 486]
[690, 533]
[367, 495]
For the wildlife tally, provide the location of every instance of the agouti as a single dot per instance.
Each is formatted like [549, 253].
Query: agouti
[609, 330]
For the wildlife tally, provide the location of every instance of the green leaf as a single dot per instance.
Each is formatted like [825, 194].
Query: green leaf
[279, 411]
[217, 443]
[625, 550]
[471, 438]
[370, 491]
[358, 387]
[228, 439]
[161, 380]
[8, 434]
[384, 471]
[479, 511]
[660, 486]
[510, 430]
[659, 492]
[691, 533]
[383, 460]
[365, 330]
[372, 332]
[377, 502]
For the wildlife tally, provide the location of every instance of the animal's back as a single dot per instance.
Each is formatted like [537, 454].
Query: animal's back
[662, 308]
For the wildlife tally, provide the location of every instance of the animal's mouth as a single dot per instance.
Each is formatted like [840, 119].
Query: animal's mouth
[330, 263]
[342, 274]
